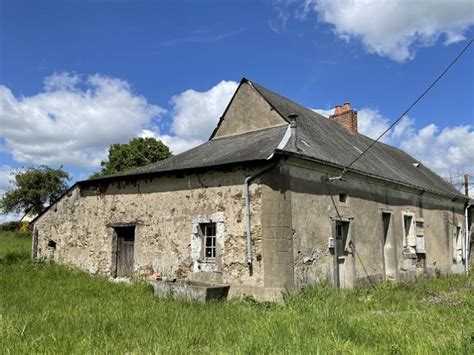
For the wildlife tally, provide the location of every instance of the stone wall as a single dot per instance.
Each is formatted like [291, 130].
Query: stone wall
[294, 211]
[163, 210]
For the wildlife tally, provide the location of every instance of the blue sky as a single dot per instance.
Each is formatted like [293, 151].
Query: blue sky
[77, 76]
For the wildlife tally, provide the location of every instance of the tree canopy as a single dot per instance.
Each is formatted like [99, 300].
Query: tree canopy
[34, 188]
[137, 152]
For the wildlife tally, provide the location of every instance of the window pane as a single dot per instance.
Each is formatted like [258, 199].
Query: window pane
[209, 241]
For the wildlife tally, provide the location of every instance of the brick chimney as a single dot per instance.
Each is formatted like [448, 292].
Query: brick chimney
[346, 117]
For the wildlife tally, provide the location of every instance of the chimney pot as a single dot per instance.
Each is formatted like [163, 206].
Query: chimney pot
[346, 117]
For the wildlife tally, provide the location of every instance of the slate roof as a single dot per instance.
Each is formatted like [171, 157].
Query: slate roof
[251, 146]
[319, 139]
[326, 141]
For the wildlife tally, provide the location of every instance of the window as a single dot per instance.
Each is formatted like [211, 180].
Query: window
[343, 198]
[341, 235]
[52, 244]
[208, 231]
[410, 235]
[207, 242]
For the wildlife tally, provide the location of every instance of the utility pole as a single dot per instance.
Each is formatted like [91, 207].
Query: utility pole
[466, 184]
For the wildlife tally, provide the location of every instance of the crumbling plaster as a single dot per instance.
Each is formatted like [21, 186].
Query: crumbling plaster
[162, 208]
[313, 208]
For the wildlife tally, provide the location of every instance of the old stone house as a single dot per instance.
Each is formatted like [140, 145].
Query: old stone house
[260, 207]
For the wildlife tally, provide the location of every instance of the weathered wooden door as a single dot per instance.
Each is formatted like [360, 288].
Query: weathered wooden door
[125, 250]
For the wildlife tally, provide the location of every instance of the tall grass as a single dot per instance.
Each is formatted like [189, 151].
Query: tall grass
[48, 308]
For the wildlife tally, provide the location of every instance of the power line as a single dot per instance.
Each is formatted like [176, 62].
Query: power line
[409, 107]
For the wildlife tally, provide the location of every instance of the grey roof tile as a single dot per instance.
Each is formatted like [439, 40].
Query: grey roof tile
[324, 140]
[251, 146]
[319, 139]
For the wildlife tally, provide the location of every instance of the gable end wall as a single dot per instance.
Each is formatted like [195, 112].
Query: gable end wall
[248, 112]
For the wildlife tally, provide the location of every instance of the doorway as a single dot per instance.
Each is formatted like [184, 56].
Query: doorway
[389, 255]
[125, 251]
[343, 278]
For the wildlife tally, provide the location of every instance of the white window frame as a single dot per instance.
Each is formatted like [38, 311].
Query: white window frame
[200, 262]
[409, 240]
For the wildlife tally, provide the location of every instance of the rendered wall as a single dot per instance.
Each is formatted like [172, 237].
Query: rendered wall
[248, 112]
[313, 213]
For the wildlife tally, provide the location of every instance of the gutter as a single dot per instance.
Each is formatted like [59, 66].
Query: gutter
[248, 228]
[362, 173]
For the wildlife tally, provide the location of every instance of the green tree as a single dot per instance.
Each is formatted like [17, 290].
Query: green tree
[137, 152]
[34, 188]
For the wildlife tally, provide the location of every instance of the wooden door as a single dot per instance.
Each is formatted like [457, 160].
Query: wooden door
[125, 251]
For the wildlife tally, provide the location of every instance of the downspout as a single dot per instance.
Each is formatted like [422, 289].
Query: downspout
[248, 228]
[466, 238]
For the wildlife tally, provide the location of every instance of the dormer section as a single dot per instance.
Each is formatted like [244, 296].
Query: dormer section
[247, 111]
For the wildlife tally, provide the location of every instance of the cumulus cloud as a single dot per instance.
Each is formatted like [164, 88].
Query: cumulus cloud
[73, 121]
[76, 118]
[447, 151]
[395, 28]
[444, 150]
[197, 113]
[194, 116]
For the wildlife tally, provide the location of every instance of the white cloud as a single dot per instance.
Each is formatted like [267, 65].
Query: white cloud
[76, 118]
[71, 124]
[61, 81]
[394, 28]
[447, 151]
[195, 115]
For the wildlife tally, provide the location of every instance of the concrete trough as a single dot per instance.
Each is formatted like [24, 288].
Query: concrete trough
[190, 290]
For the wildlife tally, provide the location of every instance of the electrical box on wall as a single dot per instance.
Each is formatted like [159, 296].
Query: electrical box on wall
[331, 243]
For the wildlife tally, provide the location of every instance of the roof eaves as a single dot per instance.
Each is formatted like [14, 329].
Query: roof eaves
[141, 175]
[375, 176]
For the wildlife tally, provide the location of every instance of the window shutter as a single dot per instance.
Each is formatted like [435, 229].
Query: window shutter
[455, 246]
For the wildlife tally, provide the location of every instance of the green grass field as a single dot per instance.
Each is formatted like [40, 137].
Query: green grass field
[48, 308]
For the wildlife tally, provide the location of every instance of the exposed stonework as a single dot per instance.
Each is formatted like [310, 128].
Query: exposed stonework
[293, 209]
[163, 210]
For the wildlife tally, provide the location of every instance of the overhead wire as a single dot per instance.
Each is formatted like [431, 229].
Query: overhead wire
[418, 99]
